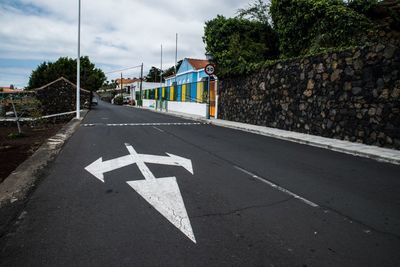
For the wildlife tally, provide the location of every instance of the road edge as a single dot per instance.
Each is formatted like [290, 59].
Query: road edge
[16, 188]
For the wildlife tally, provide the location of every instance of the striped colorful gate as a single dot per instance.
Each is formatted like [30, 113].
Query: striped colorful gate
[212, 98]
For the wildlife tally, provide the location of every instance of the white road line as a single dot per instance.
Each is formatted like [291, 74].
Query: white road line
[158, 129]
[284, 190]
[142, 124]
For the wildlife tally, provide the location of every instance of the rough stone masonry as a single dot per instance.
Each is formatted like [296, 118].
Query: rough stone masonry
[350, 95]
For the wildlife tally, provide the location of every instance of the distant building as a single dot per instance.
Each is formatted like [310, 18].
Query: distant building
[126, 83]
[190, 71]
[5, 90]
[135, 87]
[9, 90]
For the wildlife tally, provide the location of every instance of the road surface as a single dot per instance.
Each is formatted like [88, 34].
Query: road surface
[220, 197]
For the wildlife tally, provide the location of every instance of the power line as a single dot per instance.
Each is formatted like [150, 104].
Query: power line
[138, 66]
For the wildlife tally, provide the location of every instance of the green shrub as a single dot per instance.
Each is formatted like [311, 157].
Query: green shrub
[237, 42]
[92, 78]
[362, 6]
[306, 26]
[16, 135]
[118, 100]
[28, 107]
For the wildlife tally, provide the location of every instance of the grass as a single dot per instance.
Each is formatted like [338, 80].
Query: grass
[16, 135]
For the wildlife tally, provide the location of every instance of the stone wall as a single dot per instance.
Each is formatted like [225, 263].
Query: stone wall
[351, 95]
[60, 96]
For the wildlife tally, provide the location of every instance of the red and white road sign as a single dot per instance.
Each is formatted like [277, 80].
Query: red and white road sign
[209, 69]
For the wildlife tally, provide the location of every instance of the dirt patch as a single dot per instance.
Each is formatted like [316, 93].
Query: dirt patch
[15, 150]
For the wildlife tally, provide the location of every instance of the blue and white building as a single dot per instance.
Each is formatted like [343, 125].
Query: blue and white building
[190, 71]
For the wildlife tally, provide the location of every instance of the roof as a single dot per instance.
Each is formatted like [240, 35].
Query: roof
[198, 63]
[7, 90]
[59, 79]
[127, 81]
[169, 76]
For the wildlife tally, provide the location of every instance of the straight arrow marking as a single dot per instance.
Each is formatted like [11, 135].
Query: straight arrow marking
[148, 175]
[164, 195]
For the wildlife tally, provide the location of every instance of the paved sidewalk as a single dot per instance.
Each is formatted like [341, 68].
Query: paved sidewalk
[366, 151]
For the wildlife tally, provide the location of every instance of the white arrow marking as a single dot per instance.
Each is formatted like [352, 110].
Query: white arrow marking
[170, 160]
[99, 167]
[148, 175]
[164, 195]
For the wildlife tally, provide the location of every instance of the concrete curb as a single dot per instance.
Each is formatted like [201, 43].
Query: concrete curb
[366, 151]
[19, 183]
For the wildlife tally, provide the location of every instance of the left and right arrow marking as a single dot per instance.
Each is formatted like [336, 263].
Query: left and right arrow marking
[99, 167]
[162, 193]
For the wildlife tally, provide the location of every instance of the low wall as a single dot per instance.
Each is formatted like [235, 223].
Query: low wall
[191, 108]
[60, 96]
[197, 109]
[351, 95]
[149, 103]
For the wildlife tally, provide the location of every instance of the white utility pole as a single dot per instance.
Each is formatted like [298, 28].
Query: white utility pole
[78, 67]
[161, 71]
[176, 54]
[141, 85]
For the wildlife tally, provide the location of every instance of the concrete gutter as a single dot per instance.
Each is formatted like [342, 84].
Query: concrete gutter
[356, 149]
[15, 189]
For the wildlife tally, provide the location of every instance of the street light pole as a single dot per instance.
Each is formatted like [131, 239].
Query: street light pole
[161, 73]
[176, 54]
[161, 67]
[141, 85]
[78, 66]
[121, 85]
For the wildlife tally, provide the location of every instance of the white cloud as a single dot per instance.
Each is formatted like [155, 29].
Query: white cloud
[14, 76]
[118, 33]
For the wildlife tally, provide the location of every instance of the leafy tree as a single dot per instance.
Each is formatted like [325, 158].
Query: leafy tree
[311, 25]
[171, 71]
[362, 6]
[154, 75]
[258, 10]
[236, 42]
[92, 78]
[118, 100]
[109, 85]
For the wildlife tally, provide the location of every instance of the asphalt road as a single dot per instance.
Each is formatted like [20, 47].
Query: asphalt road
[251, 201]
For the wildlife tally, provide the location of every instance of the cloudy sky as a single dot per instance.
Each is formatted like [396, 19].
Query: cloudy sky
[115, 33]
